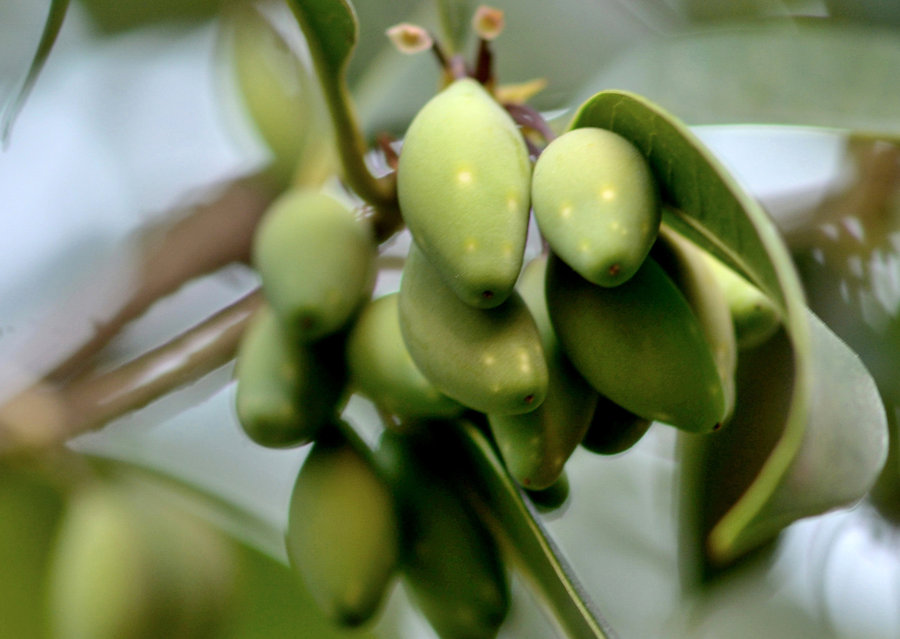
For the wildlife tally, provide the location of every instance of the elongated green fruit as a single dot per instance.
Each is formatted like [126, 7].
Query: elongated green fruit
[688, 267]
[596, 203]
[487, 359]
[451, 564]
[536, 445]
[274, 87]
[343, 534]
[613, 429]
[638, 344]
[127, 568]
[380, 367]
[754, 315]
[317, 262]
[463, 183]
[285, 391]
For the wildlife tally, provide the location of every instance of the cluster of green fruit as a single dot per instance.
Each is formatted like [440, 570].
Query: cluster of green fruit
[619, 323]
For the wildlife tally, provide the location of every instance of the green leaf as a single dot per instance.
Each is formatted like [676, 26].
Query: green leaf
[806, 442]
[516, 524]
[807, 73]
[13, 106]
[330, 28]
[455, 18]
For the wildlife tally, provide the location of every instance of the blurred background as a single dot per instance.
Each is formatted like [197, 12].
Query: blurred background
[137, 114]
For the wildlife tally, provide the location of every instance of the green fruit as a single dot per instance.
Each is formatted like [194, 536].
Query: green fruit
[487, 359]
[274, 86]
[451, 564]
[551, 498]
[463, 183]
[380, 367]
[536, 445]
[343, 534]
[285, 391]
[127, 567]
[596, 203]
[316, 260]
[689, 268]
[754, 315]
[638, 344]
[613, 429]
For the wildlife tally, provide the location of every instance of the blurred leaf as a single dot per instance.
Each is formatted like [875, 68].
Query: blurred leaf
[122, 15]
[11, 108]
[331, 29]
[517, 525]
[872, 11]
[455, 18]
[823, 456]
[809, 73]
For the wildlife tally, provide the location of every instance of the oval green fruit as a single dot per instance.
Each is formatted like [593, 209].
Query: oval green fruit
[613, 429]
[639, 344]
[343, 534]
[463, 182]
[380, 367]
[285, 390]
[688, 267]
[487, 359]
[552, 498]
[536, 445]
[316, 260]
[450, 562]
[754, 315]
[596, 203]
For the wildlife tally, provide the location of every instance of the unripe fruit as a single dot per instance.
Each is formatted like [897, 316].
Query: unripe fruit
[451, 563]
[552, 498]
[285, 391]
[316, 260]
[639, 344]
[690, 270]
[754, 315]
[463, 183]
[536, 445]
[343, 535]
[613, 429]
[487, 359]
[127, 568]
[380, 367]
[596, 203]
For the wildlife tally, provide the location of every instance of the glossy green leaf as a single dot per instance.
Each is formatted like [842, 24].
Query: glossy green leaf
[52, 26]
[705, 204]
[808, 73]
[516, 524]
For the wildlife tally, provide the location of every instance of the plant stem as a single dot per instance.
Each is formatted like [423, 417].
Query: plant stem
[43, 416]
[200, 241]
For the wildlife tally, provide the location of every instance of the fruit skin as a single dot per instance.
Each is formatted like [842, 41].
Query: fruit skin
[613, 429]
[127, 567]
[487, 359]
[343, 534]
[536, 445]
[316, 260]
[451, 564]
[553, 498]
[596, 203]
[638, 344]
[687, 265]
[380, 367]
[285, 390]
[754, 315]
[463, 182]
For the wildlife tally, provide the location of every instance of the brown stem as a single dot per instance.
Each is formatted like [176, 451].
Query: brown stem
[530, 118]
[204, 239]
[484, 63]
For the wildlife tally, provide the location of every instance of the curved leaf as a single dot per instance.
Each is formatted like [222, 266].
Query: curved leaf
[808, 73]
[58, 10]
[516, 524]
[705, 204]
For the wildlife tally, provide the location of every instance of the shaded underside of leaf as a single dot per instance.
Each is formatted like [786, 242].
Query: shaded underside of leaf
[809, 73]
[706, 205]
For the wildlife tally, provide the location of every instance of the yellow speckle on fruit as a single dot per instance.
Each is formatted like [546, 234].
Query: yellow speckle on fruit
[488, 360]
[608, 194]
[470, 245]
[565, 211]
[464, 176]
[507, 249]
[584, 245]
[512, 203]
